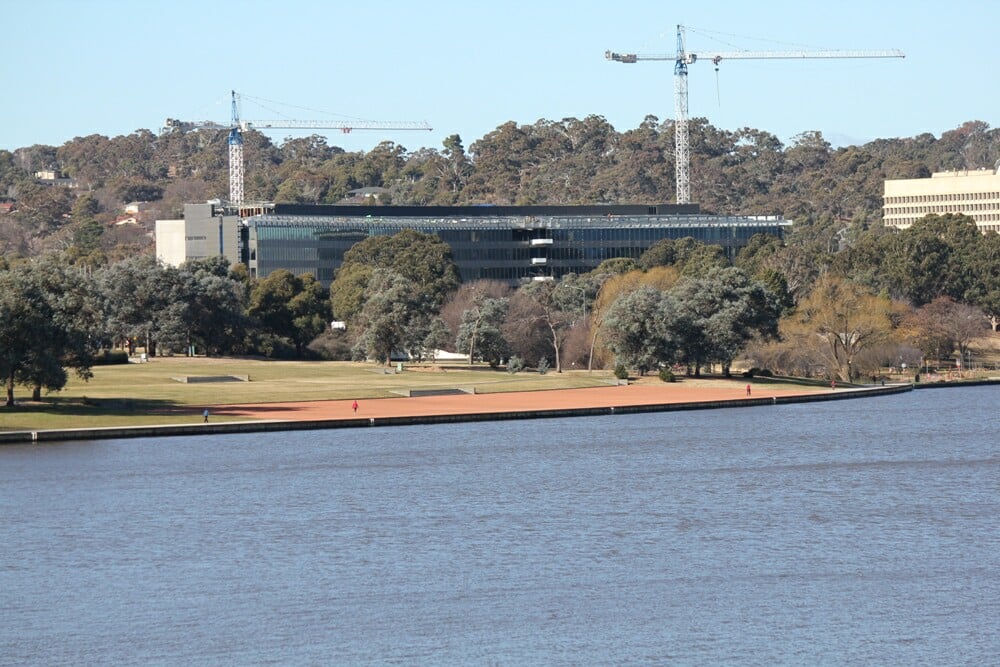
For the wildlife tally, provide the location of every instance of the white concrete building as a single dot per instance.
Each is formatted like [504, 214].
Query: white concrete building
[972, 193]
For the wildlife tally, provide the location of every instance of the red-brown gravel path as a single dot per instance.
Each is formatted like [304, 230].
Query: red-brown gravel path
[597, 397]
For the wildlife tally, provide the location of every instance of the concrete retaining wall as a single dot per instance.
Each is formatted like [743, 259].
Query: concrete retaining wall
[56, 435]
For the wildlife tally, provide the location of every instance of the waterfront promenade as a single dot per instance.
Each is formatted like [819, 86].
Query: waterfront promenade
[624, 399]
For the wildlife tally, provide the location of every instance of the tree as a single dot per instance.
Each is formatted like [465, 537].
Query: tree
[386, 315]
[615, 286]
[45, 313]
[634, 329]
[481, 331]
[847, 317]
[467, 296]
[423, 259]
[943, 325]
[207, 308]
[985, 290]
[716, 315]
[135, 294]
[557, 306]
[929, 259]
[292, 307]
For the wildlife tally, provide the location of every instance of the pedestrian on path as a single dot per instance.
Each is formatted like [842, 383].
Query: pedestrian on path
[205, 415]
[833, 384]
[354, 406]
[748, 389]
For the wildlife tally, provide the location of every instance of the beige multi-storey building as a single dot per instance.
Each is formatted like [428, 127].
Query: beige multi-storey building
[972, 193]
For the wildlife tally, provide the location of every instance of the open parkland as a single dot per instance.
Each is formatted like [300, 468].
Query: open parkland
[170, 396]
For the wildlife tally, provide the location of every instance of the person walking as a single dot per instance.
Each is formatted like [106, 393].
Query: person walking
[833, 384]
[748, 389]
[354, 406]
[205, 415]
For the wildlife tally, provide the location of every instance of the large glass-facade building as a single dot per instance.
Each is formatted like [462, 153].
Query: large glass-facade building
[507, 243]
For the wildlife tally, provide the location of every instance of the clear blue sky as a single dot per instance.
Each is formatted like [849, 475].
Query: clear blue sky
[72, 68]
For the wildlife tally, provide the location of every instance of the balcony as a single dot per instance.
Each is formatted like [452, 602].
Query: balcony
[539, 260]
[540, 242]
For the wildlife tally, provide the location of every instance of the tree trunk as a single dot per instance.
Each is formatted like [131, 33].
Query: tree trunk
[555, 347]
[10, 390]
[36, 393]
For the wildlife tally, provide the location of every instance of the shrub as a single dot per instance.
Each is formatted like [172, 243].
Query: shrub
[621, 372]
[110, 357]
[667, 375]
[543, 366]
[515, 365]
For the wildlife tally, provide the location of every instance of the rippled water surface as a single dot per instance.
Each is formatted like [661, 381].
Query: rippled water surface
[851, 532]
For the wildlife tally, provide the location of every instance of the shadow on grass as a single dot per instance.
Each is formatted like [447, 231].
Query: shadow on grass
[90, 406]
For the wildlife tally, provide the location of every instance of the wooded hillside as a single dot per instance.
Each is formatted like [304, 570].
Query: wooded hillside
[833, 195]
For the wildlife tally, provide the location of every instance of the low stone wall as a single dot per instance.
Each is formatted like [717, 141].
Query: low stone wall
[192, 379]
[443, 391]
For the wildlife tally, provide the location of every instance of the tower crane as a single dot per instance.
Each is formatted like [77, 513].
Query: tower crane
[237, 127]
[683, 58]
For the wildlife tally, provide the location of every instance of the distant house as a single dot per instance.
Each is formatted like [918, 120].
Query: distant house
[136, 207]
[126, 220]
[53, 177]
[6, 207]
[364, 196]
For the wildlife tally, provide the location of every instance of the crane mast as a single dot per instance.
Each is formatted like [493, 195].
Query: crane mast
[683, 58]
[238, 126]
[235, 156]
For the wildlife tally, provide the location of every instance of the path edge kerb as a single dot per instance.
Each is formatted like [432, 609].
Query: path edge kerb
[116, 432]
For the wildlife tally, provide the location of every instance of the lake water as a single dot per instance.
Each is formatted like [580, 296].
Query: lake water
[850, 532]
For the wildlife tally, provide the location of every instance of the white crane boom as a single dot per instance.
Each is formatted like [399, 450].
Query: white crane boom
[683, 58]
[238, 126]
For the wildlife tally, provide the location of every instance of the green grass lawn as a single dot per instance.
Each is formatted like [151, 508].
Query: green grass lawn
[140, 394]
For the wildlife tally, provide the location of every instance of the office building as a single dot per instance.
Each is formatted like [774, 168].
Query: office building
[972, 193]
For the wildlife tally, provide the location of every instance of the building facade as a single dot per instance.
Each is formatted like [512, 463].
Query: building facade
[205, 231]
[506, 243]
[972, 193]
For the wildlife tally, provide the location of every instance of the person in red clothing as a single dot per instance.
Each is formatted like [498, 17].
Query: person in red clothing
[354, 406]
[748, 390]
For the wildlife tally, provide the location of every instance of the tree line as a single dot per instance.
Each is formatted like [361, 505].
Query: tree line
[919, 294]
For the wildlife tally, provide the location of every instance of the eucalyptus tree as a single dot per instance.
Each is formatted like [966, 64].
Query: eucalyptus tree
[931, 258]
[556, 307]
[206, 308]
[390, 310]
[481, 330]
[423, 259]
[135, 295]
[716, 315]
[635, 329]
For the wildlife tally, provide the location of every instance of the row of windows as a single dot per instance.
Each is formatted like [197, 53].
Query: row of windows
[978, 217]
[946, 208]
[961, 196]
[503, 254]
